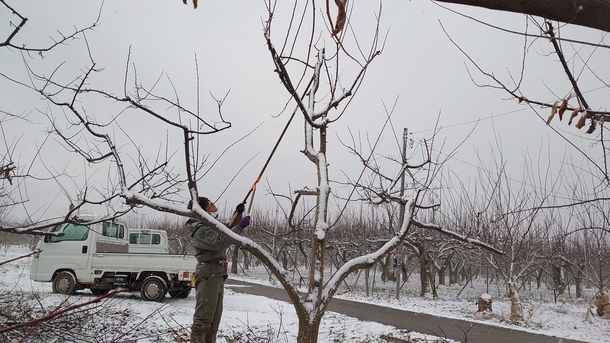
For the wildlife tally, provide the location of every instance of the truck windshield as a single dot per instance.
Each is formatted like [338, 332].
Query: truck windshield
[71, 232]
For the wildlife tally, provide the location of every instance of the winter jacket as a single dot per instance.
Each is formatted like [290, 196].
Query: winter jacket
[210, 245]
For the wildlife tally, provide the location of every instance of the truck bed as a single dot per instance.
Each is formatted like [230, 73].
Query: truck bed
[138, 262]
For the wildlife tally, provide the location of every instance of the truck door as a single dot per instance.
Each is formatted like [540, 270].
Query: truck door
[70, 250]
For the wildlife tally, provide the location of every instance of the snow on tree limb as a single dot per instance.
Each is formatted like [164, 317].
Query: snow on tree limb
[455, 235]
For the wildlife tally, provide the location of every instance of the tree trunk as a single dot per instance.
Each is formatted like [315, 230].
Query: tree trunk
[464, 274]
[284, 259]
[424, 269]
[235, 256]
[602, 303]
[558, 280]
[308, 331]
[441, 276]
[306, 257]
[385, 268]
[453, 273]
[433, 286]
[442, 270]
[578, 277]
[423, 276]
[539, 278]
[516, 313]
[246, 257]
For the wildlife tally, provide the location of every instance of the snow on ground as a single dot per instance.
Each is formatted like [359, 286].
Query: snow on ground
[565, 318]
[258, 319]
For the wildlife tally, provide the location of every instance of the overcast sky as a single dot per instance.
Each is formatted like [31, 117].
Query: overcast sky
[420, 70]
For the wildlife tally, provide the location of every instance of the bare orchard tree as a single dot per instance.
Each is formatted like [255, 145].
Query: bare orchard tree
[509, 214]
[323, 103]
[328, 65]
[589, 240]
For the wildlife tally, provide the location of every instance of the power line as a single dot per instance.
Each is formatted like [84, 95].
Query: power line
[497, 115]
[473, 121]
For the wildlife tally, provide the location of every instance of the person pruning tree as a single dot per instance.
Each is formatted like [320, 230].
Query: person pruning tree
[210, 246]
[211, 271]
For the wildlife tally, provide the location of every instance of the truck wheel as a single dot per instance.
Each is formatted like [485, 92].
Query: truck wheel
[64, 283]
[153, 288]
[180, 294]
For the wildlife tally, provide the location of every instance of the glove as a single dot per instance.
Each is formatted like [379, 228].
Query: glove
[245, 221]
[240, 208]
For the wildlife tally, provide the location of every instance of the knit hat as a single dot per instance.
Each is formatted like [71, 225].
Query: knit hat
[203, 202]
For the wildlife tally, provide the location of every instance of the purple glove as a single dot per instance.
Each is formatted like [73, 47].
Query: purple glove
[245, 221]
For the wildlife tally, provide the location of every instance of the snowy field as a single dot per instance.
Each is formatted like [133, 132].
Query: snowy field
[247, 318]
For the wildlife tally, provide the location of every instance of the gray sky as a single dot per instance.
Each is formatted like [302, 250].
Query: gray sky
[420, 70]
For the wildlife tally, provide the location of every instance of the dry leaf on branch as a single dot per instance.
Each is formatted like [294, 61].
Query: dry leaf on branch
[574, 114]
[7, 174]
[194, 3]
[522, 98]
[581, 121]
[563, 108]
[591, 127]
[341, 17]
[553, 111]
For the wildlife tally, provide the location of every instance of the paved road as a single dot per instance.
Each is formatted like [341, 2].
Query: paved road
[412, 321]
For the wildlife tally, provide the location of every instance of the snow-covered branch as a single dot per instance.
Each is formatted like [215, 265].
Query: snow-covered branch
[456, 235]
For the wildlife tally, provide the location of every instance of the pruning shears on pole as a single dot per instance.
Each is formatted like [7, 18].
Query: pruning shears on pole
[260, 175]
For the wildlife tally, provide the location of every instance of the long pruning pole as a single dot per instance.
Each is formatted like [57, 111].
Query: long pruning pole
[260, 175]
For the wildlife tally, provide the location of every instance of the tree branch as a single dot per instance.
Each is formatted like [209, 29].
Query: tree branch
[589, 13]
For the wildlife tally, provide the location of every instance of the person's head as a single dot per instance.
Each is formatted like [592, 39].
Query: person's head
[205, 203]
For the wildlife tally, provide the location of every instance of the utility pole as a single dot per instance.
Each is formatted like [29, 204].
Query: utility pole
[366, 271]
[398, 256]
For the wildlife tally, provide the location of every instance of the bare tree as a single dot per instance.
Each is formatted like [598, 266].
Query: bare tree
[317, 109]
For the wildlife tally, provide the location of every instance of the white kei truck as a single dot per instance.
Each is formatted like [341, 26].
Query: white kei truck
[106, 255]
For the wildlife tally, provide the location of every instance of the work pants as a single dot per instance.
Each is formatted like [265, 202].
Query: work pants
[208, 309]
